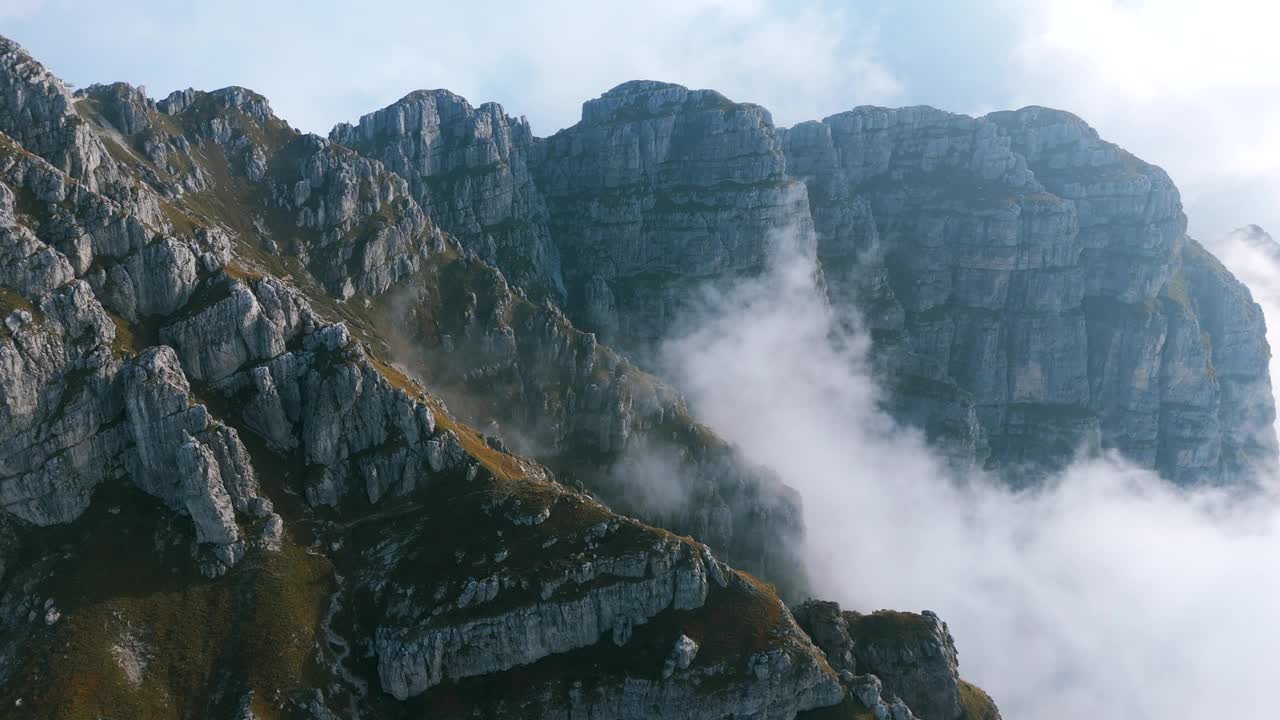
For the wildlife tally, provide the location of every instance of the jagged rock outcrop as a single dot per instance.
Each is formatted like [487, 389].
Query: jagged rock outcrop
[914, 656]
[75, 413]
[574, 589]
[558, 391]
[370, 234]
[125, 108]
[593, 593]
[181, 455]
[613, 620]
[870, 692]
[121, 247]
[1042, 272]
[350, 222]
[829, 628]
[891, 659]
[356, 229]
[468, 169]
[38, 114]
[658, 188]
[324, 398]
[53, 452]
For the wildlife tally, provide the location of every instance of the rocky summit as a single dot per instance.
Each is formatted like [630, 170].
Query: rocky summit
[347, 427]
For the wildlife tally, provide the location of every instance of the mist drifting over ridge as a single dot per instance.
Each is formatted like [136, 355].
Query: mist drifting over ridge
[1106, 592]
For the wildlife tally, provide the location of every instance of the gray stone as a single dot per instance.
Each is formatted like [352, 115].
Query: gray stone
[682, 654]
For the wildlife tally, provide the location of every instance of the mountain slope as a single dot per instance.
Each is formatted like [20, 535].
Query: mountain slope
[222, 500]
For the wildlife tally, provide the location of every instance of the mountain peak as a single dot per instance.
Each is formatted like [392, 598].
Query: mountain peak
[639, 99]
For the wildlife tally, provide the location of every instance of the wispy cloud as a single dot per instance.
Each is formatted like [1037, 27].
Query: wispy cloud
[1107, 593]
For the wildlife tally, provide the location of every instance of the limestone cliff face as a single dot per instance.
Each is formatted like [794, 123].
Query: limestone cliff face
[1030, 286]
[333, 218]
[1047, 274]
[468, 169]
[77, 409]
[657, 188]
[898, 664]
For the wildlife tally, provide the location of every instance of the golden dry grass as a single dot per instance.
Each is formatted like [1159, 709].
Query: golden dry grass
[126, 342]
[253, 629]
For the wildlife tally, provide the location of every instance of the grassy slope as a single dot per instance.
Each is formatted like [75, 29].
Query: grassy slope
[205, 643]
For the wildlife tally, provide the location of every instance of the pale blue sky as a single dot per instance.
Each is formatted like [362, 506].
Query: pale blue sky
[1192, 85]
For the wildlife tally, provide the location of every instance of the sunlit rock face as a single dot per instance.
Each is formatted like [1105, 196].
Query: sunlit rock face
[468, 169]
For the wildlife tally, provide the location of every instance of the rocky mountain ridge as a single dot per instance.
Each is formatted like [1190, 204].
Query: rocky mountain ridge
[1030, 287]
[221, 499]
[253, 358]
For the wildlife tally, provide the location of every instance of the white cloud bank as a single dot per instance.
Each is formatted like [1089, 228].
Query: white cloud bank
[1106, 594]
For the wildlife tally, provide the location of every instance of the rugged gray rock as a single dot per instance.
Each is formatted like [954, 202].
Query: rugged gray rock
[899, 664]
[75, 413]
[1030, 286]
[656, 188]
[468, 170]
[573, 610]
[870, 692]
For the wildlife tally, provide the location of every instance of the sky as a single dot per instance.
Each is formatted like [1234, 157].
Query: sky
[1190, 85]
